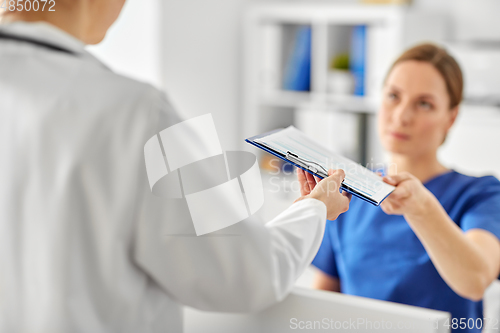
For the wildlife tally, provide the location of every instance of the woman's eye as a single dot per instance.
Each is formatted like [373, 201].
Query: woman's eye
[425, 105]
[392, 96]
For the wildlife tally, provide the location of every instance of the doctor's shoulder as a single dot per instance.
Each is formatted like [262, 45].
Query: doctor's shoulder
[121, 97]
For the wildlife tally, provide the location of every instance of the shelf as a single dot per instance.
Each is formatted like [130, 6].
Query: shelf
[307, 13]
[348, 103]
[269, 40]
[485, 101]
[285, 98]
[340, 103]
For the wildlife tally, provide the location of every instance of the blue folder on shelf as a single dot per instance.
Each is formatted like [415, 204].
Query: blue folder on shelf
[298, 69]
[293, 146]
[357, 61]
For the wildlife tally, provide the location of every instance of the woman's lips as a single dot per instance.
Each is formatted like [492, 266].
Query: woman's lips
[400, 136]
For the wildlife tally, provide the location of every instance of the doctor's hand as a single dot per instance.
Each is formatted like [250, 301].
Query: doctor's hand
[410, 198]
[325, 190]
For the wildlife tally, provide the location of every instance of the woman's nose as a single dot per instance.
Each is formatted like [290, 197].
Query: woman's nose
[403, 114]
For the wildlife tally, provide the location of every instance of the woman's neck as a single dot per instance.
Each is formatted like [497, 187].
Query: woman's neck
[422, 167]
[70, 19]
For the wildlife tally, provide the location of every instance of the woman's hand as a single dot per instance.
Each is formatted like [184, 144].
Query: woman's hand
[410, 198]
[325, 190]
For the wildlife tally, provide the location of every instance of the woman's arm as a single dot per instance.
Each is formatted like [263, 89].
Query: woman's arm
[467, 261]
[324, 281]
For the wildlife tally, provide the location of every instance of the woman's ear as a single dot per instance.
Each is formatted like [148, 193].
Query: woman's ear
[453, 113]
[453, 116]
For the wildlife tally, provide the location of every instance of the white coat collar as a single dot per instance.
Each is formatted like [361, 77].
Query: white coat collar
[48, 33]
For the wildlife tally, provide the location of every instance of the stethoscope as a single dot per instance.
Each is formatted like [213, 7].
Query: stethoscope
[36, 42]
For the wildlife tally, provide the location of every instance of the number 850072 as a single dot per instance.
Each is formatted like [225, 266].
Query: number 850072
[28, 5]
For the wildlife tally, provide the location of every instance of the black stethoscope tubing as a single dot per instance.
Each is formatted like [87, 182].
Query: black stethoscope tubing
[35, 42]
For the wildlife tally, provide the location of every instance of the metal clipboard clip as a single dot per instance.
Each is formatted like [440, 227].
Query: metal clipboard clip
[306, 164]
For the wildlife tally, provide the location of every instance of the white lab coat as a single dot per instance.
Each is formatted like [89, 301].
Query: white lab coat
[84, 244]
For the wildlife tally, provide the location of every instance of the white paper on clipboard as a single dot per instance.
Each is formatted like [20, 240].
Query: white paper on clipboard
[359, 178]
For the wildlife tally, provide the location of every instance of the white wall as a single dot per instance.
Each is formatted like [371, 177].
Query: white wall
[131, 46]
[190, 48]
[201, 60]
[471, 20]
[471, 146]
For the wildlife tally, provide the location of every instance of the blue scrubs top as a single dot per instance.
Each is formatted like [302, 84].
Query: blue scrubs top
[378, 256]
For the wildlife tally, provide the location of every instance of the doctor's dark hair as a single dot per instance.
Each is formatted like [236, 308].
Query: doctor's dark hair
[446, 65]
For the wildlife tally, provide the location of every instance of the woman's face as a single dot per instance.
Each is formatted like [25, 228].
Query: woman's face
[415, 115]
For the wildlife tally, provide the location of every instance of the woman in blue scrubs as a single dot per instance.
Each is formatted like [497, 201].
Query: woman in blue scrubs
[434, 242]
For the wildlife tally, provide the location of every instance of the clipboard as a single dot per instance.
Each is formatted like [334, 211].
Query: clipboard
[318, 168]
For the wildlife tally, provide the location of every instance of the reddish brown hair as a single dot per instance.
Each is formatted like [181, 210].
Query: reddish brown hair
[446, 65]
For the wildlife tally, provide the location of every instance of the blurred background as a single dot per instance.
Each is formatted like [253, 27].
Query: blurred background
[317, 65]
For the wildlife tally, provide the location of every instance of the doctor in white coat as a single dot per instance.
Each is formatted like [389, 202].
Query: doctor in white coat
[84, 244]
